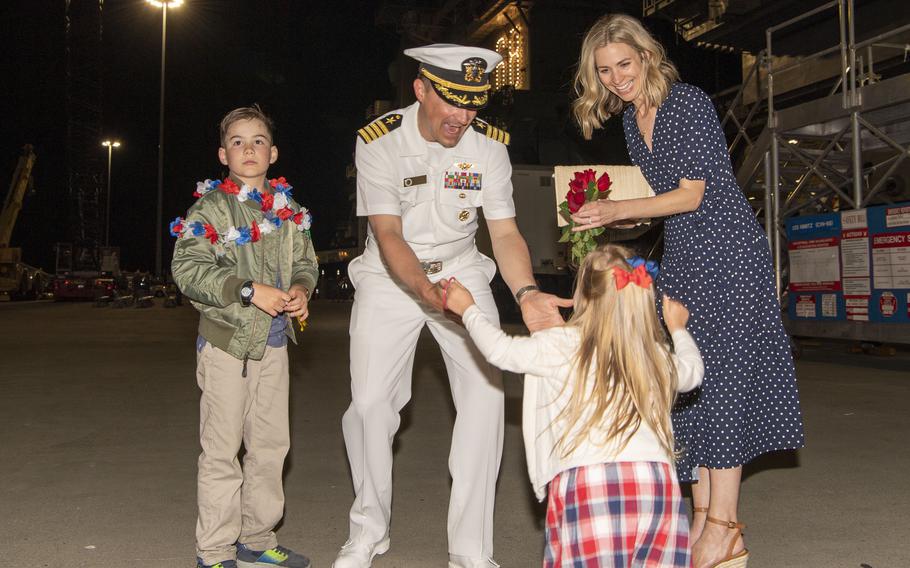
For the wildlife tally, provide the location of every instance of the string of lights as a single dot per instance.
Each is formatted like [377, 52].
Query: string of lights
[511, 46]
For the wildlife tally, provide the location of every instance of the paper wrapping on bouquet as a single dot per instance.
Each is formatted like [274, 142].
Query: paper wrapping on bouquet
[628, 183]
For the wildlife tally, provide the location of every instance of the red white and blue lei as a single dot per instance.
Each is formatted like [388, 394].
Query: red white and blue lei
[275, 207]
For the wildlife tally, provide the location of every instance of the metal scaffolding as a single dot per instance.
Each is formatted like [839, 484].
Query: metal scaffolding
[85, 163]
[842, 148]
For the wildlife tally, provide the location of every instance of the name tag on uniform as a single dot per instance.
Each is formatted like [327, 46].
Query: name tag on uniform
[416, 180]
[463, 175]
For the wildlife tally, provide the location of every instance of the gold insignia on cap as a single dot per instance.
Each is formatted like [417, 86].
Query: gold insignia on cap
[463, 215]
[474, 68]
[379, 127]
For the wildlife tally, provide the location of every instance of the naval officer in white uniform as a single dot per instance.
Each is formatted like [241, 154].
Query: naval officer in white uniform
[422, 174]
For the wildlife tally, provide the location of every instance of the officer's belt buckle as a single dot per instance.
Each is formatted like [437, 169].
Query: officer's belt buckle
[431, 267]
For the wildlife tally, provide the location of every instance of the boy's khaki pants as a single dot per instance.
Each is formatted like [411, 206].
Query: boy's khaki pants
[240, 505]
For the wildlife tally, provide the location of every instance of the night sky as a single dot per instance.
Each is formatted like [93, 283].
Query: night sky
[312, 74]
[313, 66]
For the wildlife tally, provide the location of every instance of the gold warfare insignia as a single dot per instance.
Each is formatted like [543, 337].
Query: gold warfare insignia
[379, 127]
[463, 215]
[464, 165]
[474, 68]
[491, 131]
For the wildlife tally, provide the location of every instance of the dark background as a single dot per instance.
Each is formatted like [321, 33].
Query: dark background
[315, 67]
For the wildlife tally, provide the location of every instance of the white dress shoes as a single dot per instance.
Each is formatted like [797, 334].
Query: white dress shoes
[456, 561]
[358, 555]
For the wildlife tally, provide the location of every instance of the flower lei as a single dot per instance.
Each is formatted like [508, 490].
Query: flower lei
[275, 207]
[585, 188]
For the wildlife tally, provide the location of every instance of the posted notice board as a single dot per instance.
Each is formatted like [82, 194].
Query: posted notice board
[851, 265]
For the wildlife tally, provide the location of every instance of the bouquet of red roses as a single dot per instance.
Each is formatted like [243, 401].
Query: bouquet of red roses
[585, 188]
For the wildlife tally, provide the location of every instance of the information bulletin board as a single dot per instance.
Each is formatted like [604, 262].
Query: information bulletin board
[851, 265]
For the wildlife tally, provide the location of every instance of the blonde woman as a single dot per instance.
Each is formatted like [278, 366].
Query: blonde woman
[597, 398]
[716, 260]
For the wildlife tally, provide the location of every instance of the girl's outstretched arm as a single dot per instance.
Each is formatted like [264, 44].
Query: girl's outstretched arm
[546, 353]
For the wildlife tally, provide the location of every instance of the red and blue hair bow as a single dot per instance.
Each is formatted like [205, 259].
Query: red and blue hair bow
[642, 274]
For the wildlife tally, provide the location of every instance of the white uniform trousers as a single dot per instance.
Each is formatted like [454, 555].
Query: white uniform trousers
[386, 321]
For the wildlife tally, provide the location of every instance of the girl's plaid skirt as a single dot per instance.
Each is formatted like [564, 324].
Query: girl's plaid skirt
[617, 515]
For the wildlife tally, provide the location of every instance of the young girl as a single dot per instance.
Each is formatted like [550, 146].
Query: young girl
[596, 414]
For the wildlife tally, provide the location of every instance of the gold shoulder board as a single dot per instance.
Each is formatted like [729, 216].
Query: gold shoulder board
[379, 127]
[491, 131]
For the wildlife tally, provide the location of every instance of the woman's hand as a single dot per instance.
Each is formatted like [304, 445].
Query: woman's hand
[676, 316]
[603, 212]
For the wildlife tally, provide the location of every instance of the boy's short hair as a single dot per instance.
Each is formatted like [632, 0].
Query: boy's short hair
[246, 113]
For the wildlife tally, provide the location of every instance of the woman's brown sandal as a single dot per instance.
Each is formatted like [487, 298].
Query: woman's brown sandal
[738, 560]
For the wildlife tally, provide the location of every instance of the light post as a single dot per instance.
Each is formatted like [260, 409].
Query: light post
[110, 145]
[163, 5]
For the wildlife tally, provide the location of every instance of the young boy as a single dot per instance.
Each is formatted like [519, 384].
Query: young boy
[244, 258]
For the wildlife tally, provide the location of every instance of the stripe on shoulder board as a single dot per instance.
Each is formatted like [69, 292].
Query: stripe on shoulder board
[379, 128]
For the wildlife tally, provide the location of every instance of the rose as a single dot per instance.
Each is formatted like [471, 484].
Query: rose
[584, 187]
[604, 183]
[575, 200]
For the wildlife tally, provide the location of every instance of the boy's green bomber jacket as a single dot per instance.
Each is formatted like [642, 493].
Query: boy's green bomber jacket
[212, 281]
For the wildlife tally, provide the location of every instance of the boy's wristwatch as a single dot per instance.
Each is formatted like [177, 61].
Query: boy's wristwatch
[246, 293]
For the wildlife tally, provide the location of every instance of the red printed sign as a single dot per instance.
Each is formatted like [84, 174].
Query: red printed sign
[887, 304]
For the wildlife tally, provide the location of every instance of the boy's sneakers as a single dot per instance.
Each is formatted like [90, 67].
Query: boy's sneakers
[222, 564]
[278, 556]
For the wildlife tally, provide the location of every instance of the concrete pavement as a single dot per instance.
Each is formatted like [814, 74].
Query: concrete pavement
[98, 448]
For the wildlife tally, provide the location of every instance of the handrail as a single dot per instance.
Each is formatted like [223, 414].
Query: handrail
[806, 58]
[883, 35]
[803, 16]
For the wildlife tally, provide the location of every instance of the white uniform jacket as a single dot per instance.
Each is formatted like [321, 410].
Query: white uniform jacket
[435, 190]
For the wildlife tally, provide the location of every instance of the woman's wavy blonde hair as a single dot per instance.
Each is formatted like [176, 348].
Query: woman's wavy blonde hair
[595, 104]
[623, 352]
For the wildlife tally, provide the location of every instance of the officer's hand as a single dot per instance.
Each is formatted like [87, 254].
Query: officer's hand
[540, 310]
[458, 299]
[431, 295]
[298, 306]
[269, 299]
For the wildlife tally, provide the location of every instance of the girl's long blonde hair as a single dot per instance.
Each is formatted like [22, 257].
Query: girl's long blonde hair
[595, 104]
[623, 352]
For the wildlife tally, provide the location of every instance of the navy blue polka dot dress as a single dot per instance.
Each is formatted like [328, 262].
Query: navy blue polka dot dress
[717, 262]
